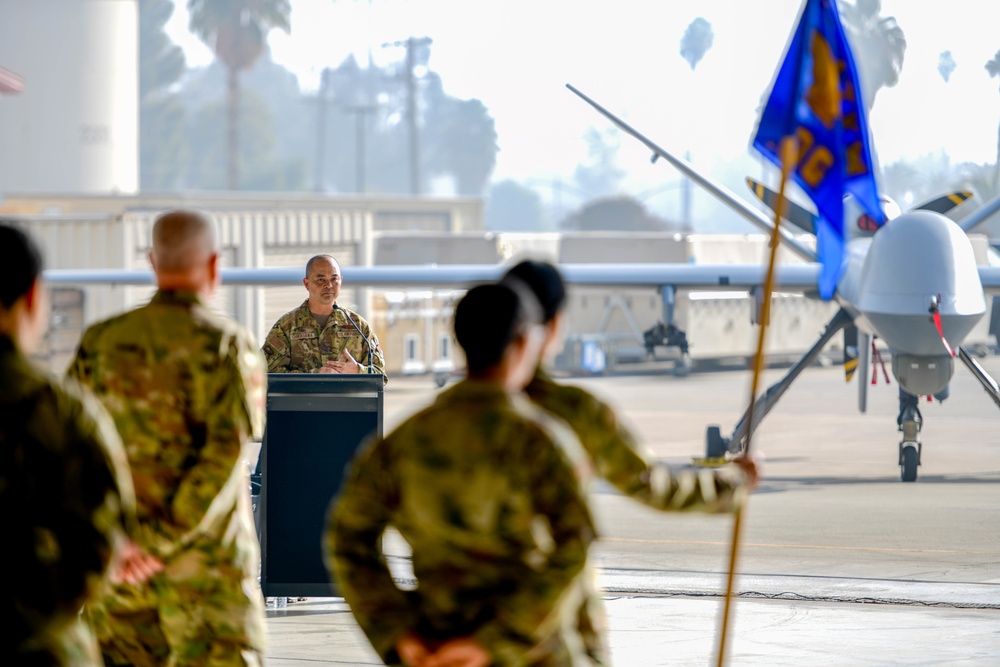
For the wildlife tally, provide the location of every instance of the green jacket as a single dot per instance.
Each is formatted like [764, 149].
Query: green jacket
[186, 389]
[297, 344]
[64, 494]
[482, 487]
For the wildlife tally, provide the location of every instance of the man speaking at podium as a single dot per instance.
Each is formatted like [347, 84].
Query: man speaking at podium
[319, 336]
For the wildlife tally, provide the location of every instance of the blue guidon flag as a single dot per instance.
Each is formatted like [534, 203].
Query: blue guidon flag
[816, 98]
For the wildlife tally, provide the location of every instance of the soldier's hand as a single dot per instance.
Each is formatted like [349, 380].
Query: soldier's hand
[749, 468]
[412, 650]
[459, 652]
[133, 566]
[346, 364]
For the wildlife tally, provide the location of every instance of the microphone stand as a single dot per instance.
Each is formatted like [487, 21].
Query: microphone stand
[371, 352]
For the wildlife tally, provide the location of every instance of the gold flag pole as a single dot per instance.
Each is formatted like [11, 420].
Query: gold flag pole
[789, 158]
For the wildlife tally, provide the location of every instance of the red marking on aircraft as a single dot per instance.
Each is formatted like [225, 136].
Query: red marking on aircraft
[866, 223]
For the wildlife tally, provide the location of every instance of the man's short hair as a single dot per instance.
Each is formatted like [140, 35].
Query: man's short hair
[545, 282]
[183, 239]
[312, 261]
[489, 318]
[20, 263]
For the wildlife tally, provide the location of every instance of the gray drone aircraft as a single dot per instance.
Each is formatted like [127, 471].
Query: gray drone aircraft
[913, 282]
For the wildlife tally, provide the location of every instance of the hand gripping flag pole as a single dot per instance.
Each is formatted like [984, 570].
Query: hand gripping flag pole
[815, 129]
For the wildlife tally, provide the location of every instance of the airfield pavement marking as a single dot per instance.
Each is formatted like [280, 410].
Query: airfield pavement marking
[821, 547]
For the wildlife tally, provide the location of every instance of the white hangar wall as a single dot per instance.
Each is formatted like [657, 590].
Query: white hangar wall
[74, 126]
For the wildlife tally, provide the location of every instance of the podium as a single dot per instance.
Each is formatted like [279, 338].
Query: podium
[315, 424]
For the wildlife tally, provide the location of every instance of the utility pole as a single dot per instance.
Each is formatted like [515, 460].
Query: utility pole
[411, 119]
[360, 129]
[319, 169]
[322, 120]
[411, 45]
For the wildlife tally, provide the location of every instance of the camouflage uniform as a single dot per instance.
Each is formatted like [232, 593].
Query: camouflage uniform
[186, 389]
[496, 519]
[297, 344]
[617, 458]
[64, 493]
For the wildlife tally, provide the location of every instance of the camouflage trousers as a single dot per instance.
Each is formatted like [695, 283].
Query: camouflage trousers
[583, 639]
[201, 611]
[578, 632]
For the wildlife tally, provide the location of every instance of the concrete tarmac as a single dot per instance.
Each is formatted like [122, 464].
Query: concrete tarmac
[840, 562]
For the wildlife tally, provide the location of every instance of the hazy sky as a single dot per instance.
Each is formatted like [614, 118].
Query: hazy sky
[517, 55]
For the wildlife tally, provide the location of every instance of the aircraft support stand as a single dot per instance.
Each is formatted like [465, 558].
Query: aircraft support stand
[667, 334]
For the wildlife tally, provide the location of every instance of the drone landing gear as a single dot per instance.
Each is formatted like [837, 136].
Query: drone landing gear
[910, 420]
[717, 445]
[909, 459]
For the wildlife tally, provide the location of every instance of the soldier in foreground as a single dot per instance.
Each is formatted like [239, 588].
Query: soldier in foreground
[185, 387]
[319, 336]
[481, 486]
[613, 450]
[65, 491]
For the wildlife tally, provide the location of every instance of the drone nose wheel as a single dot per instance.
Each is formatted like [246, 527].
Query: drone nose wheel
[909, 460]
[910, 421]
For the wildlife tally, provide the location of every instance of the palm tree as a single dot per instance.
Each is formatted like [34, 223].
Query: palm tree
[697, 40]
[879, 46]
[236, 30]
[993, 67]
[946, 65]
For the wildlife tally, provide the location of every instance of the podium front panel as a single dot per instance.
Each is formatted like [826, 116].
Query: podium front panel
[315, 424]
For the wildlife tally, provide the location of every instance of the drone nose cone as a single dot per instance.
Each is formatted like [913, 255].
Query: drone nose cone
[917, 257]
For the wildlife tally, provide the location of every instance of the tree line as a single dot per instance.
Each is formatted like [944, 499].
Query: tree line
[243, 123]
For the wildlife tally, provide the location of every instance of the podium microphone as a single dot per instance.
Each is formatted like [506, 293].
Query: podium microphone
[371, 352]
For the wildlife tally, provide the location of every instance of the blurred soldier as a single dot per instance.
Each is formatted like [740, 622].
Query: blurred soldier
[64, 484]
[185, 387]
[481, 485]
[319, 336]
[615, 454]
